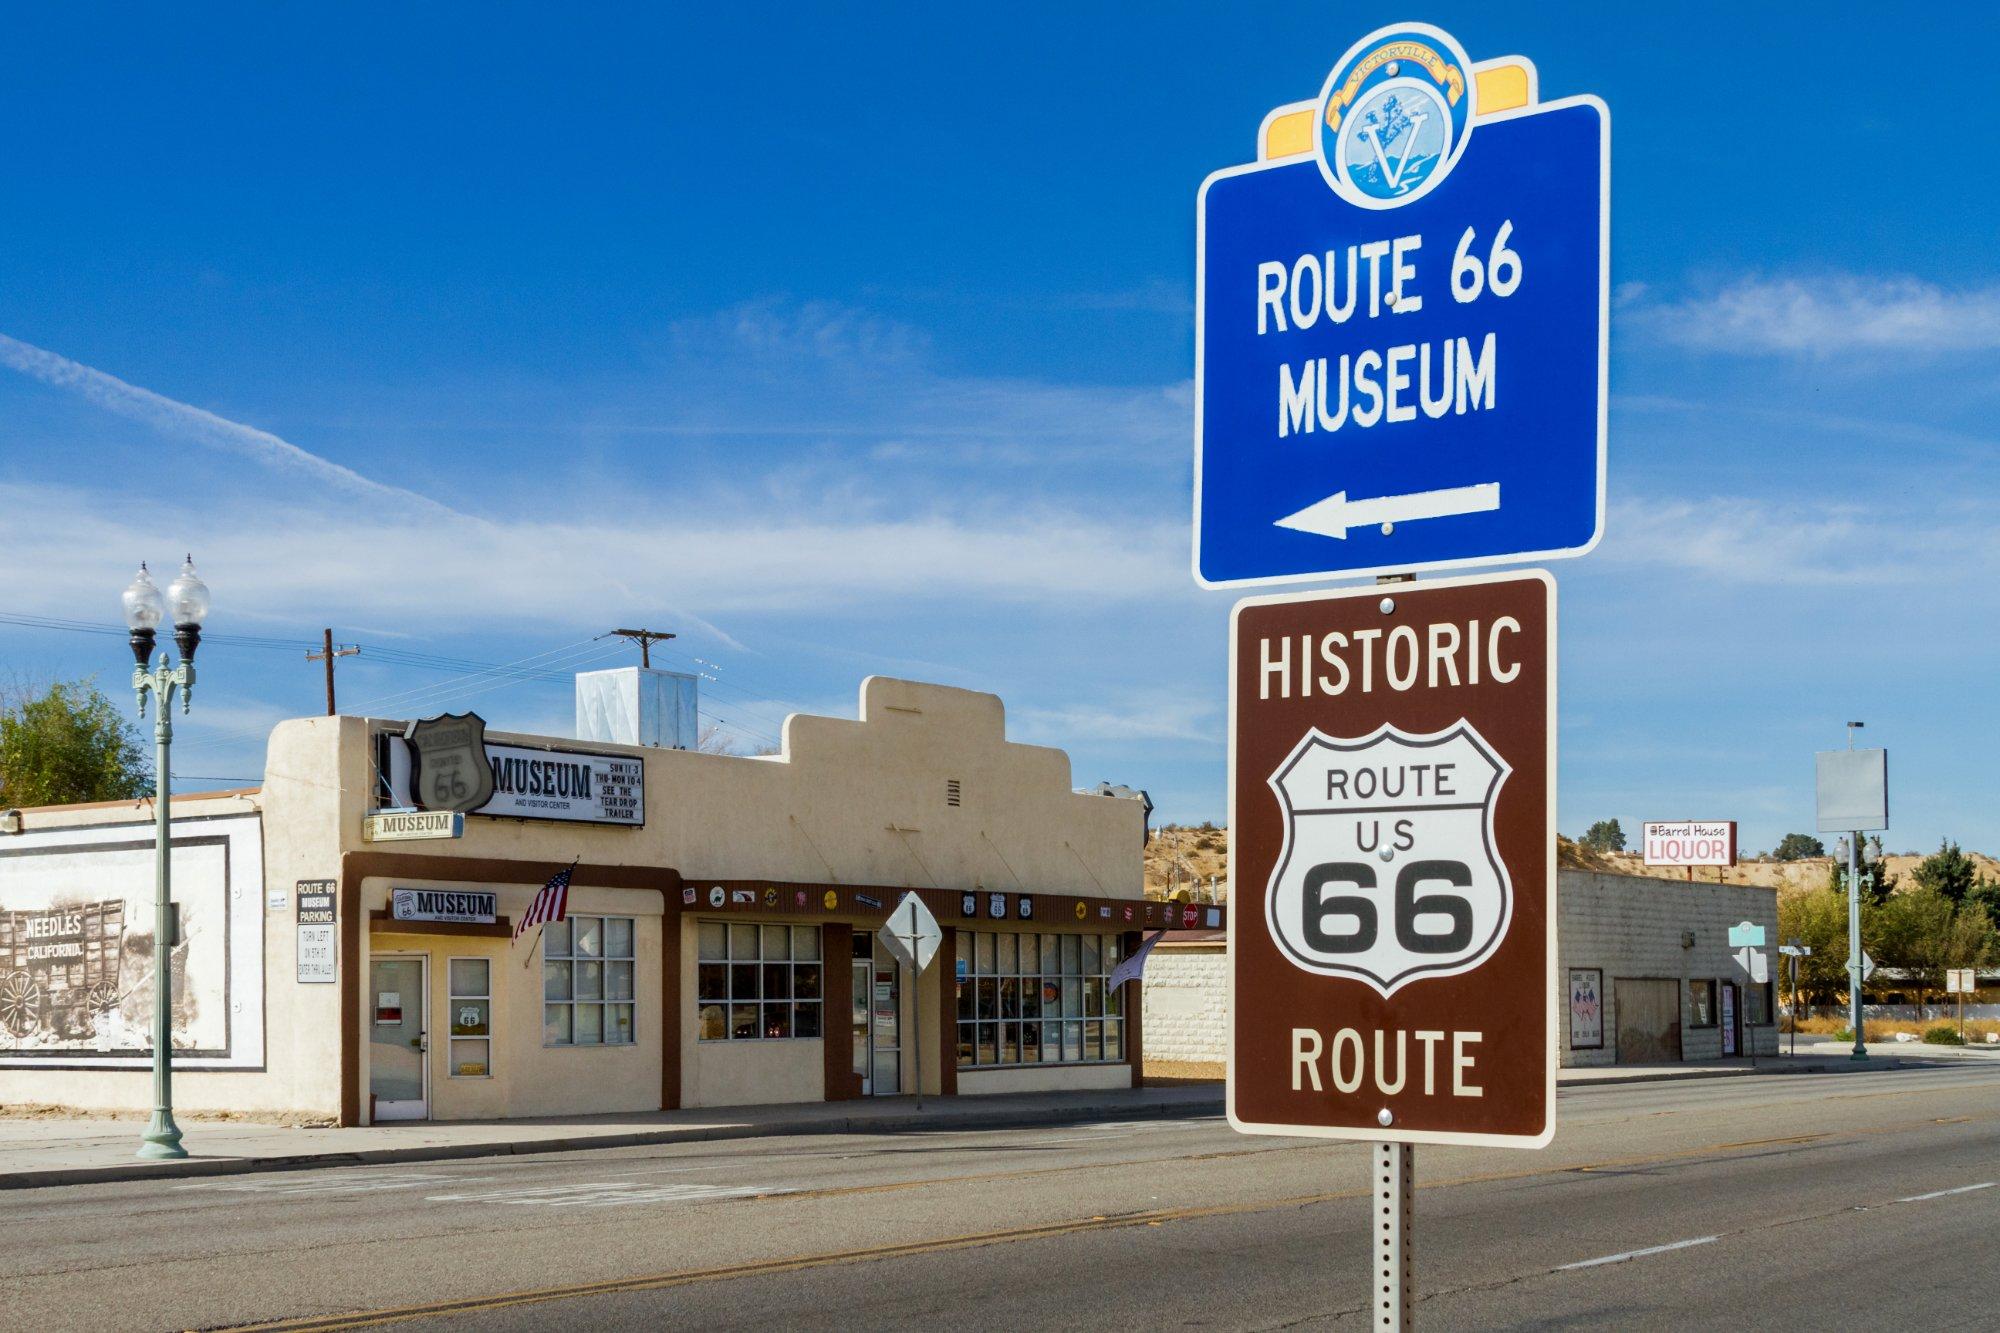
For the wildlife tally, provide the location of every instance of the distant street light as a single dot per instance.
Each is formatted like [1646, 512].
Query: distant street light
[186, 605]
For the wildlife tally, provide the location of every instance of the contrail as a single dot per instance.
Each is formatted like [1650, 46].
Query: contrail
[176, 418]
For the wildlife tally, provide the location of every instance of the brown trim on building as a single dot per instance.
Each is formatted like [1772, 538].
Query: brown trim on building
[381, 922]
[873, 903]
[947, 963]
[357, 866]
[836, 951]
[1132, 1006]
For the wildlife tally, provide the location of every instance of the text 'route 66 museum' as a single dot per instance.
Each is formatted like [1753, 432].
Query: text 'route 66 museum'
[700, 929]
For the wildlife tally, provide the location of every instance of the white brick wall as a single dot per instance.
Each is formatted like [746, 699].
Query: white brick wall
[1626, 925]
[1187, 1003]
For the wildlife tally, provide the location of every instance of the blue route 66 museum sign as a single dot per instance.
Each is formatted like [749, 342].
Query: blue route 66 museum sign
[1401, 324]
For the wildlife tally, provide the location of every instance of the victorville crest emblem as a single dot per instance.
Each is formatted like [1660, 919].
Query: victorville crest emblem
[1394, 115]
[1389, 872]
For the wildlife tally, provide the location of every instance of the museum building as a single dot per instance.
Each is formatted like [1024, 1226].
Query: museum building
[347, 954]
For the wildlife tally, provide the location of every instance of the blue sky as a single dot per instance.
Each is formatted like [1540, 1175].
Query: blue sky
[862, 343]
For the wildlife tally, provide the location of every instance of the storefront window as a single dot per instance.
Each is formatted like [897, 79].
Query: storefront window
[587, 982]
[1701, 1004]
[1028, 999]
[471, 1012]
[758, 983]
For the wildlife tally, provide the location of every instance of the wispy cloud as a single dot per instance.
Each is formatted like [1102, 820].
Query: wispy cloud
[193, 423]
[1834, 315]
[1737, 541]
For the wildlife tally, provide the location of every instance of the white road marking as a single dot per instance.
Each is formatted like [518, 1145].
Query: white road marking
[1939, 1194]
[1639, 1254]
[605, 1194]
[368, 1183]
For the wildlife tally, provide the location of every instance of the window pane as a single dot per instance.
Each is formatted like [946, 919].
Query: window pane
[965, 1035]
[1072, 1041]
[743, 943]
[469, 1059]
[1010, 997]
[966, 990]
[589, 981]
[618, 1024]
[1051, 1042]
[618, 981]
[777, 942]
[1072, 955]
[805, 1020]
[1112, 953]
[1031, 1042]
[1114, 1039]
[1031, 956]
[589, 1024]
[712, 981]
[618, 937]
[1031, 997]
[713, 1028]
[555, 1025]
[743, 1024]
[1114, 999]
[555, 939]
[1093, 1040]
[469, 976]
[743, 981]
[777, 1020]
[1093, 995]
[1072, 997]
[470, 1018]
[805, 943]
[555, 981]
[989, 997]
[1051, 953]
[714, 942]
[589, 936]
[989, 1037]
[1089, 954]
[777, 981]
[862, 945]
[805, 981]
[984, 952]
[1010, 1043]
[1007, 964]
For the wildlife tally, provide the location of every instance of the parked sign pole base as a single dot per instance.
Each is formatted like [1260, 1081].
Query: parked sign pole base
[1394, 1290]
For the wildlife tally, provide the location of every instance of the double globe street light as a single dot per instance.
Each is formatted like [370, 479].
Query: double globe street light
[185, 604]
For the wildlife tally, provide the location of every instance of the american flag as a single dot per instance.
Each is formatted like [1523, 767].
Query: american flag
[551, 904]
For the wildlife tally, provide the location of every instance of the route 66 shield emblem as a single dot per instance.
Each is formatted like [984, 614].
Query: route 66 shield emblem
[449, 769]
[1389, 872]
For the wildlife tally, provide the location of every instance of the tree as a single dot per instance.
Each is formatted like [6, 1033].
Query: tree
[1947, 871]
[1604, 836]
[1817, 919]
[69, 743]
[1922, 932]
[1798, 846]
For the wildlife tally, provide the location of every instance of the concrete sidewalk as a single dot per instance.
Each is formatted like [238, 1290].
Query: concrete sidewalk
[50, 1150]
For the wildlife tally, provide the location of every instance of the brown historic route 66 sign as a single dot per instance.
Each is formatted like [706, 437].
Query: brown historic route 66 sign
[1392, 856]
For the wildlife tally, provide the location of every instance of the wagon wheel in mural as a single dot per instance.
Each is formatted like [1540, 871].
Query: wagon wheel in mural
[102, 997]
[20, 1003]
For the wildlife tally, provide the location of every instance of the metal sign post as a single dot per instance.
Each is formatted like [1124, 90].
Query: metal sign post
[912, 935]
[1395, 1294]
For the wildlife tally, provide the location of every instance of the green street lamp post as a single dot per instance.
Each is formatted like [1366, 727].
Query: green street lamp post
[186, 604]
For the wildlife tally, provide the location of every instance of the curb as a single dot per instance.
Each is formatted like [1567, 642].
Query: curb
[196, 1167]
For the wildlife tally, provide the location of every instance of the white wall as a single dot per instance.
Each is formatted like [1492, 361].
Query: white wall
[1187, 1012]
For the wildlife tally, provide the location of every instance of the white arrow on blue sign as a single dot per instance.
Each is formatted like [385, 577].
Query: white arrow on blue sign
[1401, 335]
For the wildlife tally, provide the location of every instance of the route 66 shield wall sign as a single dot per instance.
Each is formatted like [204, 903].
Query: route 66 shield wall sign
[1392, 788]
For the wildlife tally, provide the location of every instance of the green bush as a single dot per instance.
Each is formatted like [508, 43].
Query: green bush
[1943, 1035]
[1844, 1034]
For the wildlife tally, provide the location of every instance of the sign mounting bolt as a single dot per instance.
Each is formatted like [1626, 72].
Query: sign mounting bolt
[1385, 1117]
[1388, 606]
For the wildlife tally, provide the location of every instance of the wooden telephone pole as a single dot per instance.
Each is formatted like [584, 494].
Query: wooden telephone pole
[326, 654]
[645, 638]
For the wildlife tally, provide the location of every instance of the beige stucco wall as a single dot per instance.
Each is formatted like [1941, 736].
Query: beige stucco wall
[847, 802]
[527, 1077]
[1059, 1078]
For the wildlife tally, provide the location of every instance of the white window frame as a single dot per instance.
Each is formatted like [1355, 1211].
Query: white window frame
[791, 962]
[1109, 1008]
[451, 999]
[603, 1003]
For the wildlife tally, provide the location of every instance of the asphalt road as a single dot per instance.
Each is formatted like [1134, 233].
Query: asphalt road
[1768, 1202]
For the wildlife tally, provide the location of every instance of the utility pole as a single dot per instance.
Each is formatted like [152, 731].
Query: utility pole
[1855, 977]
[645, 638]
[326, 654]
